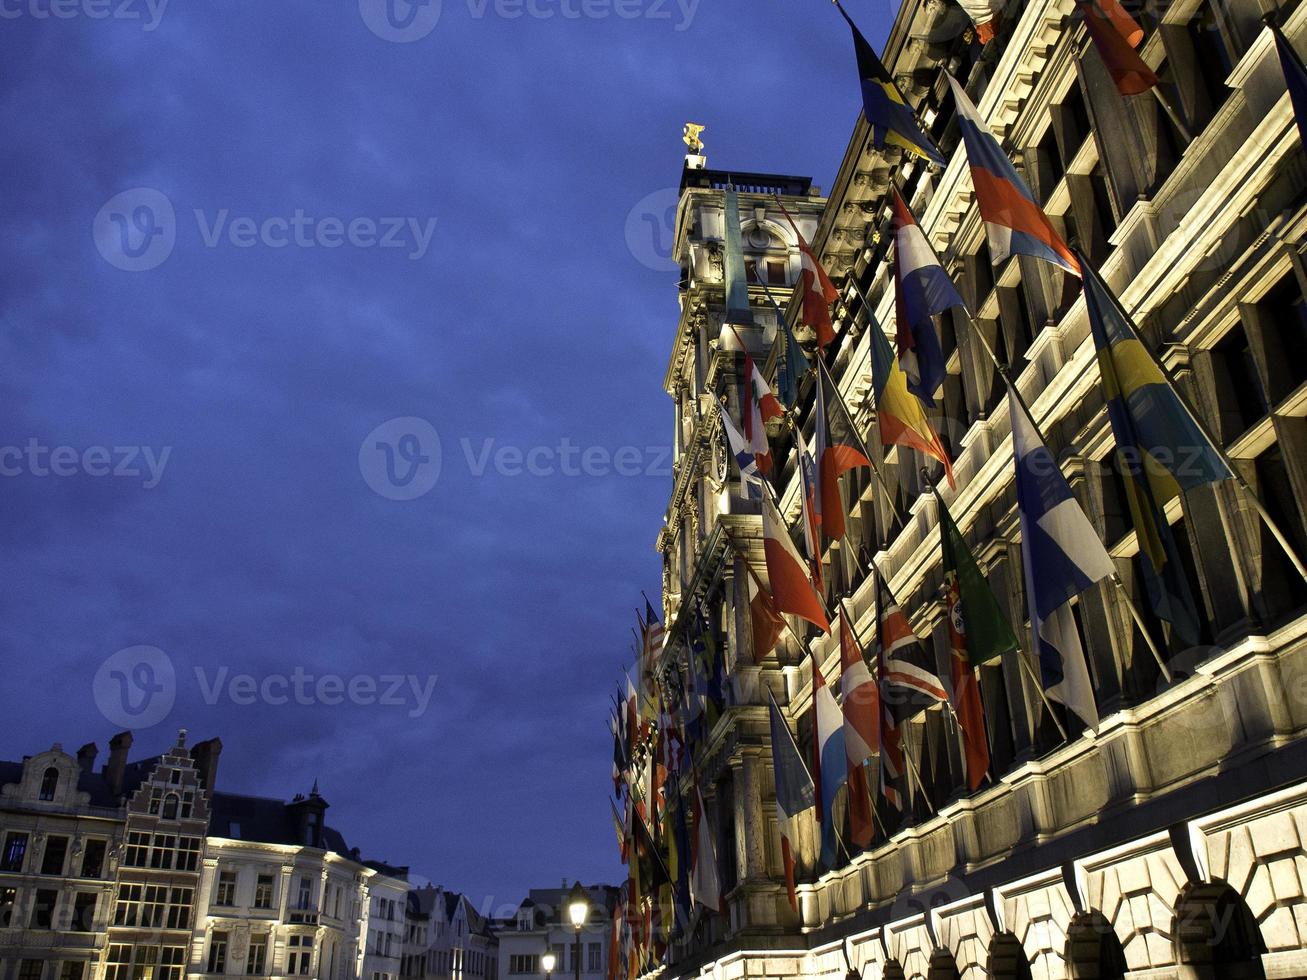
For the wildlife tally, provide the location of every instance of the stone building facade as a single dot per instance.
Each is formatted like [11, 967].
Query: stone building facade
[1169, 843]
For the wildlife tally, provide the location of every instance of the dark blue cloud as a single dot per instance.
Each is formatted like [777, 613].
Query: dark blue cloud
[528, 320]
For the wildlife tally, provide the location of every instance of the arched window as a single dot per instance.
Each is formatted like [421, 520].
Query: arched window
[170, 806]
[1217, 935]
[1093, 951]
[943, 966]
[766, 259]
[1007, 960]
[49, 783]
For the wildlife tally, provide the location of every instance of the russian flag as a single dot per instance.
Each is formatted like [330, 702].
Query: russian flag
[1015, 224]
[921, 290]
[790, 586]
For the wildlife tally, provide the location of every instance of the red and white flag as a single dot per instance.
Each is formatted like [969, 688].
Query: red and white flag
[791, 588]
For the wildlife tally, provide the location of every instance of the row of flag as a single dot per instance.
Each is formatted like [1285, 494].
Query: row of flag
[1162, 451]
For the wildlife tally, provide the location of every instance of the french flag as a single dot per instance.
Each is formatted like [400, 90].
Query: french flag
[830, 761]
[1015, 224]
[921, 289]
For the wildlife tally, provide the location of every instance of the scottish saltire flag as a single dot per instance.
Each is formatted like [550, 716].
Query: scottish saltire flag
[900, 415]
[1015, 224]
[792, 590]
[1062, 556]
[1295, 76]
[744, 457]
[839, 449]
[888, 114]
[794, 790]
[860, 702]
[1116, 35]
[738, 310]
[921, 290]
[793, 362]
[830, 762]
[1160, 450]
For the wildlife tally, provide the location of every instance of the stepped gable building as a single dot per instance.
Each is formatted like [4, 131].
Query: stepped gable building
[144, 871]
[1173, 841]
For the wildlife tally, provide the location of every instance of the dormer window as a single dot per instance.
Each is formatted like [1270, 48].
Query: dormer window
[49, 783]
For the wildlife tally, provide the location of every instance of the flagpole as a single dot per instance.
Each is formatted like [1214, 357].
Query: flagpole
[1269, 521]
[785, 620]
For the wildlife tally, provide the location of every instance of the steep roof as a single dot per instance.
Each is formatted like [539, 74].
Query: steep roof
[264, 820]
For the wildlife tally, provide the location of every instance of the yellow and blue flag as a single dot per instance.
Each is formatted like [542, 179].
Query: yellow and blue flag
[888, 114]
[1160, 449]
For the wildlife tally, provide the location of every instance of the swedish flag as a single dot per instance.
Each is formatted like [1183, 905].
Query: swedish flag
[888, 114]
[1160, 448]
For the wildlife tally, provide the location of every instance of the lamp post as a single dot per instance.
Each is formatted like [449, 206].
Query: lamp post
[548, 961]
[578, 910]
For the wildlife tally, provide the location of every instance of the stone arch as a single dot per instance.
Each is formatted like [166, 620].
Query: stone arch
[943, 966]
[1216, 934]
[1007, 959]
[1093, 949]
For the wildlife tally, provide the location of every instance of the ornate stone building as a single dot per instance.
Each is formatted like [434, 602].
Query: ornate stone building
[1172, 842]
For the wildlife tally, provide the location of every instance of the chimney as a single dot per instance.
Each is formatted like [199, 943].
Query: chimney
[116, 767]
[205, 755]
[86, 757]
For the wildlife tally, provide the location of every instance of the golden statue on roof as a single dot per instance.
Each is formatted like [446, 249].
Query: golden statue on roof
[691, 137]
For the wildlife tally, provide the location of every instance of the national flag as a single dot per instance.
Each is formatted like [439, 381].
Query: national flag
[655, 633]
[1295, 76]
[899, 412]
[765, 622]
[809, 490]
[890, 735]
[680, 860]
[983, 15]
[794, 790]
[921, 290]
[620, 830]
[793, 364]
[909, 682]
[888, 114]
[860, 702]
[1015, 224]
[705, 882]
[839, 449]
[830, 761]
[791, 588]
[978, 633]
[1116, 35]
[738, 310]
[1062, 556]
[750, 478]
[817, 290]
[1160, 451]
[759, 406]
[653, 869]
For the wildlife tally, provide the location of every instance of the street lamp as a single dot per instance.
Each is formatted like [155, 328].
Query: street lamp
[548, 961]
[578, 909]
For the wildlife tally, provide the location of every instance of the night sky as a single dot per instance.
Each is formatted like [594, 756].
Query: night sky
[290, 553]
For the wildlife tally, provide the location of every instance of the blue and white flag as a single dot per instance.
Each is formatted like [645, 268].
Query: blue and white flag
[830, 762]
[1062, 557]
[744, 457]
